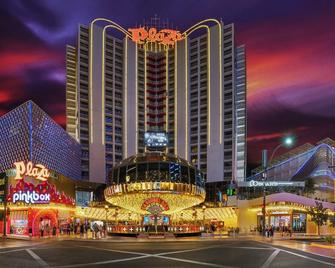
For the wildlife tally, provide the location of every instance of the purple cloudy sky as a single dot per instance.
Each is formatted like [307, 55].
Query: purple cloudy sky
[290, 56]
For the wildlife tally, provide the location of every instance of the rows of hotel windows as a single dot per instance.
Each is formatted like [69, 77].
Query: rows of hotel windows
[159, 103]
[140, 99]
[83, 97]
[157, 171]
[113, 99]
[171, 100]
[198, 51]
[228, 95]
[240, 100]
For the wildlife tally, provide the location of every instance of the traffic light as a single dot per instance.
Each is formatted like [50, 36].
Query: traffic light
[231, 191]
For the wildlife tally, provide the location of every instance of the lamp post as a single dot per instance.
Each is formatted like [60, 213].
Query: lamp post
[5, 180]
[287, 141]
[203, 215]
[106, 209]
[116, 214]
[195, 215]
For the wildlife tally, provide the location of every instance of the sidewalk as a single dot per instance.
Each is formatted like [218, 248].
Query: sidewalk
[317, 248]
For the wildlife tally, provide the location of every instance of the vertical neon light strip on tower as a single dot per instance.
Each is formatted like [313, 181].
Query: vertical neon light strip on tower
[125, 125]
[209, 86]
[90, 80]
[188, 32]
[196, 27]
[186, 100]
[91, 33]
[136, 101]
[145, 89]
[103, 75]
[167, 94]
[175, 99]
[220, 56]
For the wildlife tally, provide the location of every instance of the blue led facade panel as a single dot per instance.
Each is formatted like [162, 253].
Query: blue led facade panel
[29, 134]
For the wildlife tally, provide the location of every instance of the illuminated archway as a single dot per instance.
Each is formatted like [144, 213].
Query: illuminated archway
[49, 214]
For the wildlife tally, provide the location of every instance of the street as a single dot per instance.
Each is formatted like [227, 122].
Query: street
[210, 253]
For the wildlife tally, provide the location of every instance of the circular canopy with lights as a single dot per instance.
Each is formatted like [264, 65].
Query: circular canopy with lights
[155, 183]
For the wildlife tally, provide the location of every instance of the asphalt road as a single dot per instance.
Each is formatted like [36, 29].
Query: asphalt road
[220, 253]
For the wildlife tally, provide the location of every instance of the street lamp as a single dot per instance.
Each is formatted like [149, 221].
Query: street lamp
[203, 214]
[106, 227]
[287, 141]
[106, 209]
[4, 183]
[116, 214]
[195, 215]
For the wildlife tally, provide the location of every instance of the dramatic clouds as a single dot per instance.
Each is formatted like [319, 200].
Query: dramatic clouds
[290, 56]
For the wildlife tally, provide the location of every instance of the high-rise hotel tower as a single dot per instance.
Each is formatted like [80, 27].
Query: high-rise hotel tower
[122, 83]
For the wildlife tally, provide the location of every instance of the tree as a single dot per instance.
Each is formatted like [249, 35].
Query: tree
[332, 221]
[309, 187]
[318, 214]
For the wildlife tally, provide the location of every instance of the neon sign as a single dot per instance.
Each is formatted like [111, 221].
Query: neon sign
[38, 171]
[165, 36]
[155, 201]
[42, 193]
[31, 197]
[254, 183]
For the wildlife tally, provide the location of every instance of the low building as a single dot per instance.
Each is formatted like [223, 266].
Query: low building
[285, 212]
[305, 163]
[39, 166]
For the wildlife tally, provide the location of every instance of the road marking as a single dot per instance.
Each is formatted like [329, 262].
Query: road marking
[100, 262]
[306, 257]
[115, 250]
[186, 250]
[305, 251]
[37, 258]
[13, 250]
[194, 262]
[158, 255]
[268, 262]
[252, 248]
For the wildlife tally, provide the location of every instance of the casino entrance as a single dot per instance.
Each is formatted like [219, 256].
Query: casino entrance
[155, 186]
[43, 222]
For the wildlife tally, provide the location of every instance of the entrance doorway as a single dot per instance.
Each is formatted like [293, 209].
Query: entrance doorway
[43, 223]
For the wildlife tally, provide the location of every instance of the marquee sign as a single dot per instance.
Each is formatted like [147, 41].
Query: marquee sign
[254, 183]
[165, 36]
[37, 171]
[42, 193]
[155, 205]
[31, 197]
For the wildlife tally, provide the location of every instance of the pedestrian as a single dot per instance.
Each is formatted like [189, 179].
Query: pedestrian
[54, 230]
[68, 229]
[81, 230]
[42, 230]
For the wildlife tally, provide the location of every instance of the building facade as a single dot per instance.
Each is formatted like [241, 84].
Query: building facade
[191, 85]
[39, 168]
[306, 162]
[29, 134]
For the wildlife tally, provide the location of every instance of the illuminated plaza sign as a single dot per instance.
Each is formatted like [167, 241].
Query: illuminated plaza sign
[155, 205]
[38, 171]
[254, 183]
[165, 36]
[31, 197]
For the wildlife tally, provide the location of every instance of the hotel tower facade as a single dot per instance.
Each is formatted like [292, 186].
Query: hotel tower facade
[192, 85]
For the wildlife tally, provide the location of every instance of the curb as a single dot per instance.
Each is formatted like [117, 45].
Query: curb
[322, 246]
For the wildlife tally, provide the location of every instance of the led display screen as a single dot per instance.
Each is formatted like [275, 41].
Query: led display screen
[156, 139]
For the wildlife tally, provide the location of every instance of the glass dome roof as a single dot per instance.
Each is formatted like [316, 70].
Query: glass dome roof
[153, 157]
